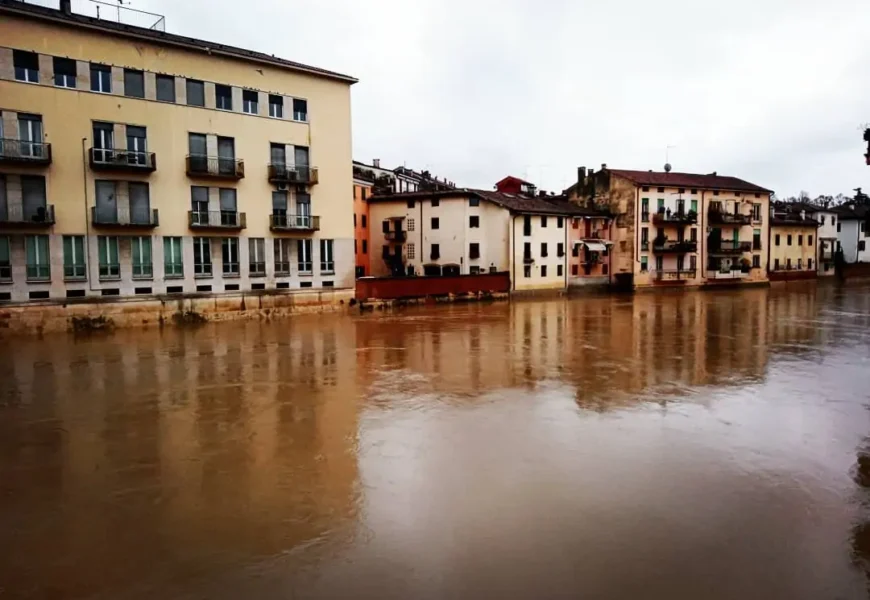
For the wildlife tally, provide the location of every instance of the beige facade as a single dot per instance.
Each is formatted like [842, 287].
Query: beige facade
[540, 252]
[283, 136]
[681, 228]
[794, 246]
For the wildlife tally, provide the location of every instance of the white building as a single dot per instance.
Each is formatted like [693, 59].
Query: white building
[853, 232]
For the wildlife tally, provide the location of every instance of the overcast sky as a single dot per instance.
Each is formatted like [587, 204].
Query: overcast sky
[773, 91]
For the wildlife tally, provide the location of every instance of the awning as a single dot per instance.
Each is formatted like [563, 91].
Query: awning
[596, 246]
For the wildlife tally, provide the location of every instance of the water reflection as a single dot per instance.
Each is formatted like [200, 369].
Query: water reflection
[394, 451]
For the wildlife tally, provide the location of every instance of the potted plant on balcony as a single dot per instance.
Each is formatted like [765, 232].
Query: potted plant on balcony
[692, 215]
[745, 265]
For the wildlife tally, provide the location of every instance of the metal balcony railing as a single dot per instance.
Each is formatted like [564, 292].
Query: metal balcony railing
[678, 247]
[675, 217]
[718, 217]
[396, 236]
[111, 159]
[199, 165]
[216, 219]
[675, 275]
[285, 222]
[125, 218]
[730, 247]
[304, 175]
[28, 216]
[24, 152]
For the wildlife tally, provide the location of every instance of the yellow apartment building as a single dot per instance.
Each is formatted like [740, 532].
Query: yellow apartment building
[682, 229]
[794, 243]
[139, 162]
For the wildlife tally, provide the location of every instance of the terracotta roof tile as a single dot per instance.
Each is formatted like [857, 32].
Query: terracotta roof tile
[689, 180]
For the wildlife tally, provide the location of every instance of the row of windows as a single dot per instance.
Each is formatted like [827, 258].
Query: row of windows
[788, 264]
[436, 202]
[575, 270]
[527, 250]
[788, 240]
[27, 69]
[661, 190]
[693, 263]
[38, 263]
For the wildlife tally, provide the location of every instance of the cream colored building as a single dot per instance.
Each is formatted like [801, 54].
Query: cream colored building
[681, 229]
[137, 162]
[466, 231]
[794, 244]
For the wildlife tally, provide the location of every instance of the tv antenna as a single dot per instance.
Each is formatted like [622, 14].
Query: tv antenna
[667, 157]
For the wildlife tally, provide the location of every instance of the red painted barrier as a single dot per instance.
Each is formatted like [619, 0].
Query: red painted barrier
[392, 288]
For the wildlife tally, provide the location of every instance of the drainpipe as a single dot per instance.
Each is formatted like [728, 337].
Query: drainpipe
[565, 254]
[514, 253]
[702, 239]
[88, 269]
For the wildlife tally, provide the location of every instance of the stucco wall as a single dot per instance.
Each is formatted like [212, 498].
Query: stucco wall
[802, 247]
[552, 235]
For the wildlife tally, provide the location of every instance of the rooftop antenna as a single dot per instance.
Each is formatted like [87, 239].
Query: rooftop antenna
[667, 157]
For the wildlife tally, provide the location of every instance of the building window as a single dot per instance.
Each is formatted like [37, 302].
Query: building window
[776, 240]
[644, 210]
[756, 212]
[474, 251]
[101, 78]
[256, 257]
[110, 264]
[410, 224]
[715, 192]
[435, 252]
[26, 66]
[276, 106]
[776, 264]
[575, 270]
[354, 219]
[788, 264]
[410, 203]
[281, 248]
[195, 91]
[36, 255]
[474, 201]
[559, 271]
[365, 247]
[543, 221]
[411, 251]
[166, 88]
[527, 225]
[73, 257]
[527, 271]
[693, 234]
[527, 252]
[436, 202]
[134, 83]
[810, 264]
[756, 261]
[660, 205]
[756, 239]
[141, 250]
[838, 228]
[800, 241]
[327, 257]
[229, 207]
[661, 190]
[543, 270]
[365, 222]
[833, 220]
[660, 261]
[543, 249]
[5, 259]
[436, 223]
[862, 245]
[230, 257]
[300, 109]
[173, 263]
[64, 72]
[223, 97]
[560, 222]
[560, 249]
[303, 256]
[788, 240]
[250, 102]
[800, 264]
[575, 250]
[644, 264]
[202, 266]
[474, 221]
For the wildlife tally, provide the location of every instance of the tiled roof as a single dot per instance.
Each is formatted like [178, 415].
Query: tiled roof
[689, 180]
[853, 211]
[539, 205]
[161, 37]
[793, 220]
[517, 179]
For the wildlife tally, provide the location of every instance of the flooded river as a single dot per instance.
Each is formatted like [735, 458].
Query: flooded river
[701, 445]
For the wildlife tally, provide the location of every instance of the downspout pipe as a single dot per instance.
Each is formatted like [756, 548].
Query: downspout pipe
[88, 270]
[514, 253]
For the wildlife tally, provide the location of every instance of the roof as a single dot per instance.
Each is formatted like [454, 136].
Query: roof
[792, 220]
[848, 212]
[712, 181]
[539, 205]
[161, 37]
[517, 179]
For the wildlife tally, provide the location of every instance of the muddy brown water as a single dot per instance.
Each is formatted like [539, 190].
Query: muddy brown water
[697, 445]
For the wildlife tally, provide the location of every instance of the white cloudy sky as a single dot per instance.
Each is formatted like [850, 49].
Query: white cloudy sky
[773, 91]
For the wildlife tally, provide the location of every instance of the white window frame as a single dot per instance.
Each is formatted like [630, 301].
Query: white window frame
[281, 249]
[303, 258]
[6, 263]
[205, 268]
[109, 245]
[138, 243]
[100, 79]
[256, 257]
[232, 246]
[40, 262]
[275, 108]
[173, 260]
[78, 262]
[327, 256]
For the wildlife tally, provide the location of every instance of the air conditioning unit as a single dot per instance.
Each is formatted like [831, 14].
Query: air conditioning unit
[282, 187]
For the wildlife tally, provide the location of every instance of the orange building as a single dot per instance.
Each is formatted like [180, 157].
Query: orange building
[362, 190]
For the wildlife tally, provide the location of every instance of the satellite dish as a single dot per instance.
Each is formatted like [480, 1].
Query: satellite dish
[667, 167]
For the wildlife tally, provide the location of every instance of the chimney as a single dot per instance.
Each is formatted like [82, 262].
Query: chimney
[581, 175]
[66, 6]
[603, 166]
[376, 163]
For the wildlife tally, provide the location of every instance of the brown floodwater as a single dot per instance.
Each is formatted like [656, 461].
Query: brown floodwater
[696, 445]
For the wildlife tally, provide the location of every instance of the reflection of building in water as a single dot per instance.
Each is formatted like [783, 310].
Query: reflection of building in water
[179, 448]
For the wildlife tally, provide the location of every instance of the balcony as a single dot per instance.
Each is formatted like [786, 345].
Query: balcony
[293, 175]
[827, 255]
[122, 161]
[284, 222]
[674, 247]
[718, 217]
[18, 152]
[145, 219]
[676, 218]
[728, 274]
[216, 219]
[217, 167]
[728, 247]
[20, 216]
[396, 236]
[676, 276]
